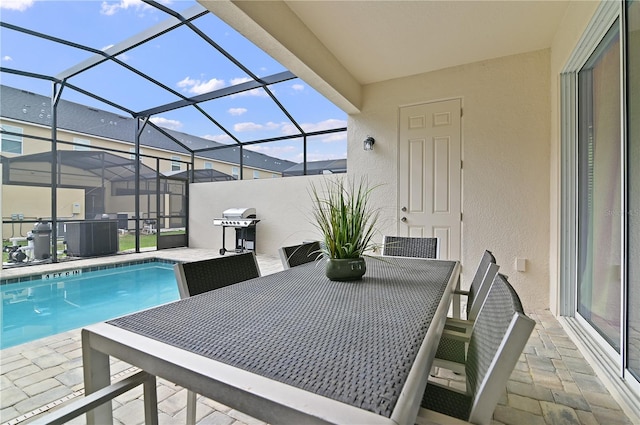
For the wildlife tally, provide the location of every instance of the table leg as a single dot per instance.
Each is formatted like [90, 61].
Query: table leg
[97, 375]
[150, 401]
[191, 407]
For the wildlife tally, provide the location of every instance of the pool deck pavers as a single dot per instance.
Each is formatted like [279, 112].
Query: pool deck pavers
[551, 384]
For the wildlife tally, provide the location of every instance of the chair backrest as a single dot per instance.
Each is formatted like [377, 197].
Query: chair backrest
[296, 255]
[405, 246]
[485, 273]
[197, 277]
[500, 333]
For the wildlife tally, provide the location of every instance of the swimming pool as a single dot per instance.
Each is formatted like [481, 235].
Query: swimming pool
[58, 302]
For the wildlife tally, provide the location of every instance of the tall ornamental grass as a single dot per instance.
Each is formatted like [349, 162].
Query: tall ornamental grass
[343, 213]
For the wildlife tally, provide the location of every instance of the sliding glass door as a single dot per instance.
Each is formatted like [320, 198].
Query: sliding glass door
[600, 210]
[633, 179]
[599, 189]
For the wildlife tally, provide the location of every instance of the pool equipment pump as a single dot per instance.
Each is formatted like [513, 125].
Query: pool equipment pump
[38, 245]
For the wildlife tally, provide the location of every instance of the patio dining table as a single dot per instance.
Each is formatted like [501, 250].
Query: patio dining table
[293, 346]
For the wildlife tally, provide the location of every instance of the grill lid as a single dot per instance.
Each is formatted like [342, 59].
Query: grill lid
[239, 213]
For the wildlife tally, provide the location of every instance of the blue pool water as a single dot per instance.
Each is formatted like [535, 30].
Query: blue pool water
[40, 308]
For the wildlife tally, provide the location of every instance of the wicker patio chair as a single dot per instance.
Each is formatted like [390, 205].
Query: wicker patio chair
[296, 255]
[477, 292]
[405, 246]
[197, 277]
[499, 335]
[485, 272]
[453, 349]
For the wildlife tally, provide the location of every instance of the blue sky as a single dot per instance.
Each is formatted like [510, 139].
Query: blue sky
[180, 60]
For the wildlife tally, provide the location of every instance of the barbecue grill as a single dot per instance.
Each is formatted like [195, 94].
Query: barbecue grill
[244, 221]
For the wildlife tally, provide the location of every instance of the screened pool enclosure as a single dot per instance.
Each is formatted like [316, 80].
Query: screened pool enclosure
[90, 132]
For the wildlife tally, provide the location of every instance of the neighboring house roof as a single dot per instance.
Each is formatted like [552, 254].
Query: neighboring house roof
[36, 109]
[78, 169]
[331, 166]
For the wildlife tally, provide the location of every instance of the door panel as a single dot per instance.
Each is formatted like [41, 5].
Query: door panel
[599, 190]
[429, 180]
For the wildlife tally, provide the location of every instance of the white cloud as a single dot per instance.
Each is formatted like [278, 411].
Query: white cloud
[19, 5]
[110, 8]
[288, 152]
[237, 111]
[247, 126]
[298, 87]
[239, 80]
[335, 137]
[252, 126]
[252, 92]
[7, 58]
[198, 86]
[273, 125]
[166, 123]
[311, 127]
[286, 128]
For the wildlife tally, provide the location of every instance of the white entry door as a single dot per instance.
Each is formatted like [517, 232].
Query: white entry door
[430, 174]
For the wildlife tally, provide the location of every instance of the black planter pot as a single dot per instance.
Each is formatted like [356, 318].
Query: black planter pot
[345, 269]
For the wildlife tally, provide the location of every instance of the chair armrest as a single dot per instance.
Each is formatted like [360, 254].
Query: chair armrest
[457, 336]
[459, 325]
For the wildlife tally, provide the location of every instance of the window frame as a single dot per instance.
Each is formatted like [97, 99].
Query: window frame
[176, 165]
[12, 138]
[81, 144]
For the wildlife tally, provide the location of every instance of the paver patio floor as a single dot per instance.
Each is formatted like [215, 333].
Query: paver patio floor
[551, 384]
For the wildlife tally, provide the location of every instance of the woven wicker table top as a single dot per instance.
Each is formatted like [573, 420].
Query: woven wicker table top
[350, 341]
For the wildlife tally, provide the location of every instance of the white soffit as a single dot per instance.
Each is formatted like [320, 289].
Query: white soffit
[382, 40]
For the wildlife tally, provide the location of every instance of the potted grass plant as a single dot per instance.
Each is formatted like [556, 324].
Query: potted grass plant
[342, 212]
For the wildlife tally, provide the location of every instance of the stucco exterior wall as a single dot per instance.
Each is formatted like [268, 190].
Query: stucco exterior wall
[283, 207]
[505, 145]
[505, 150]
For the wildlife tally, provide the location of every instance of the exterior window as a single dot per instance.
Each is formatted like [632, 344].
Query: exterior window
[256, 174]
[599, 189]
[235, 172]
[274, 176]
[132, 156]
[208, 165]
[82, 144]
[175, 163]
[11, 143]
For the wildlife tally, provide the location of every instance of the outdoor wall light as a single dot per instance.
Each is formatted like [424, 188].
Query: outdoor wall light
[368, 143]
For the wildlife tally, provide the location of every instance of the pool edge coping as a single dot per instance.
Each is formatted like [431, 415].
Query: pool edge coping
[87, 268]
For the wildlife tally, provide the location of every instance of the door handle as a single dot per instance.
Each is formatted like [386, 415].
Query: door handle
[403, 209]
[403, 219]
